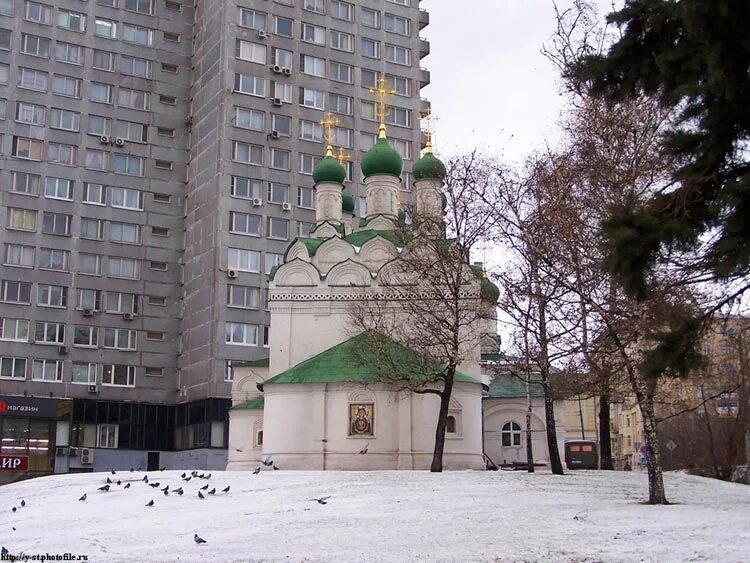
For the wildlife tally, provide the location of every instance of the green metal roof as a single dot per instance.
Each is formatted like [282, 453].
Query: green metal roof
[359, 238]
[263, 362]
[363, 359]
[511, 386]
[256, 403]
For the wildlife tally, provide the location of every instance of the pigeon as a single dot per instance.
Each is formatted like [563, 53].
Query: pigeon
[162, 468]
[154, 485]
[105, 488]
[256, 471]
[127, 486]
[145, 478]
[199, 540]
[321, 500]
[14, 509]
[212, 491]
[238, 450]
[226, 489]
[188, 478]
[13, 528]
[165, 489]
[363, 451]
[204, 487]
[581, 515]
[208, 476]
[275, 468]
[179, 491]
[113, 472]
[83, 497]
[132, 469]
[23, 503]
[268, 462]
[200, 495]
[119, 482]
[150, 503]
[201, 476]
[109, 481]
[183, 475]
[166, 493]
[194, 473]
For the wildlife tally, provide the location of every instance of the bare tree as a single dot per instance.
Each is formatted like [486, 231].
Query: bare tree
[431, 302]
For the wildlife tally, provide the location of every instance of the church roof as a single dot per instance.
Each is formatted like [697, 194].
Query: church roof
[351, 362]
[255, 403]
[511, 387]
[359, 238]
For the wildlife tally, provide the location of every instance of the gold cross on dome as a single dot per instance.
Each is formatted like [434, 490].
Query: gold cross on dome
[383, 93]
[342, 156]
[328, 124]
[427, 123]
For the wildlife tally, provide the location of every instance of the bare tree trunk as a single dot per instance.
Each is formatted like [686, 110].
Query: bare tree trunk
[605, 438]
[710, 432]
[645, 396]
[529, 447]
[445, 399]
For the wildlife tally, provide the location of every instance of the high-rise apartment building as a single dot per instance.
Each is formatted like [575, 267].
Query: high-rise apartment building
[155, 163]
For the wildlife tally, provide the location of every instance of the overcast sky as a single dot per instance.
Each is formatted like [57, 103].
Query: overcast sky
[490, 86]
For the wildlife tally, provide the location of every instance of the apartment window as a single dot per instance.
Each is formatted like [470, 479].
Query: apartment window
[125, 268]
[30, 113]
[398, 55]
[305, 198]
[64, 119]
[247, 153]
[369, 18]
[5, 38]
[313, 66]
[128, 164]
[278, 228]
[36, 12]
[71, 20]
[396, 24]
[93, 194]
[318, 6]
[91, 229]
[133, 66]
[127, 233]
[107, 434]
[342, 10]
[105, 28]
[250, 85]
[140, 6]
[245, 188]
[340, 104]
[47, 370]
[243, 297]
[312, 98]
[342, 41]
[131, 131]
[83, 373]
[34, 45]
[30, 149]
[369, 112]
[66, 86]
[253, 52]
[160, 266]
[103, 60]
[282, 91]
[135, 99]
[89, 264]
[62, 154]
[313, 34]
[402, 147]
[241, 334]
[244, 223]
[52, 296]
[165, 132]
[19, 255]
[399, 84]
[253, 19]
[100, 92]
[119, 339]
[15, 292]
[56, 223]
[243, 260]
[22, 219]
[341, 72]
[120, 303]
[280, 159]
[115, 376]
[172, 5]
[370, 48]
[96, 159]
[282, 58]
[14, 329]
[401, 2]
[171, 37]
[282, 124]
[342, 136]
[49, 333]
[89, 299]
[157, 300]
[307, 163]
[278, 193]
[68, 53]
[169, 100]
[162, 198]
[126, 198]
[283, 26]
[137, 34]
[53, 259]
[31, 79]
[249, 119]
[311, 131]
[58, 188]
[98, 125]
[12, 368]
[25, 183]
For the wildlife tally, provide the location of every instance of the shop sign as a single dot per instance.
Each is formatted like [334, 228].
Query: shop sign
[32, 407]
[14, 462]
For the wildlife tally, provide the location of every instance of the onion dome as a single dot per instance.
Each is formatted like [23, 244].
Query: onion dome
[347, 202]
[382, 158]
[329, 170]
[428, 167]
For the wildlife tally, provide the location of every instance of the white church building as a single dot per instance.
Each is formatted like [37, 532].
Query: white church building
[314, 404]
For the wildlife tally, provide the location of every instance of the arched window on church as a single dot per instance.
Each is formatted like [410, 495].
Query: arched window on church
[511, 434]
[450, 424]
[259, 439]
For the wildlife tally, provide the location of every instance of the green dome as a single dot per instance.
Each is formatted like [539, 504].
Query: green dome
[428, 167]
[347, 202]
[328, 170]
[382, 159]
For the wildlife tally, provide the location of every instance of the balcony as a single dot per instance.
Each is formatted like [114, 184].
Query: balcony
[424, 19]
[424, 77]
[424, 48]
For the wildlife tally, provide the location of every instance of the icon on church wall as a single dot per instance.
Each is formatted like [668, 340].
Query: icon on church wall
[361, 418]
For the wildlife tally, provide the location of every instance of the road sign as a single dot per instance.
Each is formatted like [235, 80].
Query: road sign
[671, 445]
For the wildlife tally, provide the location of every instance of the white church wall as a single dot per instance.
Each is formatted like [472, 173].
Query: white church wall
[242, 453]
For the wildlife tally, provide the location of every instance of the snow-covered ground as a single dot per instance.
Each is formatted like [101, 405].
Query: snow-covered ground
[379, 516]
